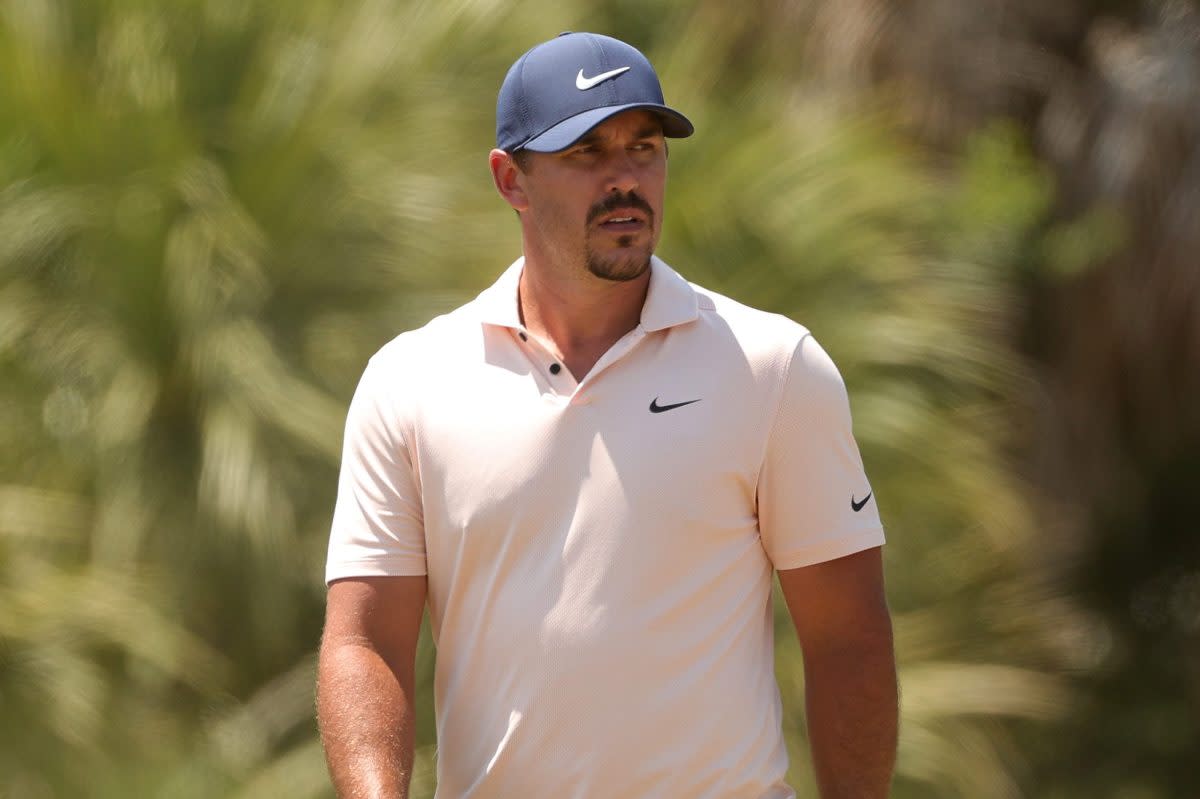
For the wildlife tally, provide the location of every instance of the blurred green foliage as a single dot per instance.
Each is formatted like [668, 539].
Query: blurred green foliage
[212, 212]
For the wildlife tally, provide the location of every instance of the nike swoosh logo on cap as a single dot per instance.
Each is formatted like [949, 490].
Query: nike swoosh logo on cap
[583, 84]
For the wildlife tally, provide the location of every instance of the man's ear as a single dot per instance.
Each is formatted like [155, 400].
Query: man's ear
[505, 175]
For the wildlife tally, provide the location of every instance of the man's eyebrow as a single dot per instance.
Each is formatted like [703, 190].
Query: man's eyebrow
[648, 132]
[590, 138]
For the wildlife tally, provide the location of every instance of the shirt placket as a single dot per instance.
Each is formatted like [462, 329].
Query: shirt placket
[561, 385]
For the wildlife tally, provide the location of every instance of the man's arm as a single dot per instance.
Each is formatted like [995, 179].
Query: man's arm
[365, 684]
[841, 617]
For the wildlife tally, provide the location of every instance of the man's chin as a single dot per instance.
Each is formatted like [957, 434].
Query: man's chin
[619, 267]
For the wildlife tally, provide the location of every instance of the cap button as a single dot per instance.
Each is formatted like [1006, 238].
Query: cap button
[566, 33]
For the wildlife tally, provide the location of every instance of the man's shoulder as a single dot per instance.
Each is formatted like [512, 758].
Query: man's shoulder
[433, 341]
[754, 328]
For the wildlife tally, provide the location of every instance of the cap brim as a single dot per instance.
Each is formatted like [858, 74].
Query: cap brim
[570, 130]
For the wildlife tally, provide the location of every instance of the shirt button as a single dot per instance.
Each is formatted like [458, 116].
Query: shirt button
[555, 368]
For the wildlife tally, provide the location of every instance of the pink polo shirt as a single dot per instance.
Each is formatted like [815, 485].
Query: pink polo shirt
[599, 553]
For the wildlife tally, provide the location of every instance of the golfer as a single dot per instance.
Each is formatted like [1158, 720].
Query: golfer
[591, 474]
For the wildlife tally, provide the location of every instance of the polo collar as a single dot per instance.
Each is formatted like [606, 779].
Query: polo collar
[498, 303]
[670, 299]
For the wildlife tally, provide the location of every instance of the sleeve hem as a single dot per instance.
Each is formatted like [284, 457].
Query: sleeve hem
[829, 549]
[392, 567]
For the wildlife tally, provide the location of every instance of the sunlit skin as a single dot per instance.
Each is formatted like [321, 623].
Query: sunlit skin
[591, 216]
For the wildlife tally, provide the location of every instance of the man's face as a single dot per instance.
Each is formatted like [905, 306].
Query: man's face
[600, 201]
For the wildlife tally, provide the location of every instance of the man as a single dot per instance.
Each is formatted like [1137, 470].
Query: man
[590, 473]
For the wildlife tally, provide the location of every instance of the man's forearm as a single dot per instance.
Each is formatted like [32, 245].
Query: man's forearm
[365, 711]
[851, 698]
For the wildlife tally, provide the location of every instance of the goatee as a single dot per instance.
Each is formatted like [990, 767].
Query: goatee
[618, 268]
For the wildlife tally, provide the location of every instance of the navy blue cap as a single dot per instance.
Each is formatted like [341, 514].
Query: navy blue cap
[563, 88]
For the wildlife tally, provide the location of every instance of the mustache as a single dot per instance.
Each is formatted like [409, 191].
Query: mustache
[618, 200]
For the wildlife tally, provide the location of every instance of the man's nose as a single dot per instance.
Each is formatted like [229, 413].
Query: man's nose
[623, 176]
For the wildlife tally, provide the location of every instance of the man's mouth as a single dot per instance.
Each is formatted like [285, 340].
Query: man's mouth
[623, 223]
[626, 214]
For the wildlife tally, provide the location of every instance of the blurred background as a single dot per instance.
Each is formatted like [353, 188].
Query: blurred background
[212, 212]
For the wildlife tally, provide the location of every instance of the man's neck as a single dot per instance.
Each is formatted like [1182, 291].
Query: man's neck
[580, 316]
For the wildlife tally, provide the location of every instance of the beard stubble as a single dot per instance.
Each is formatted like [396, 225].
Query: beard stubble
[625, 267]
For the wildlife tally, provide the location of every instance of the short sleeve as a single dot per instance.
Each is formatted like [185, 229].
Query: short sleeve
[814, 501]
[378, 526]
